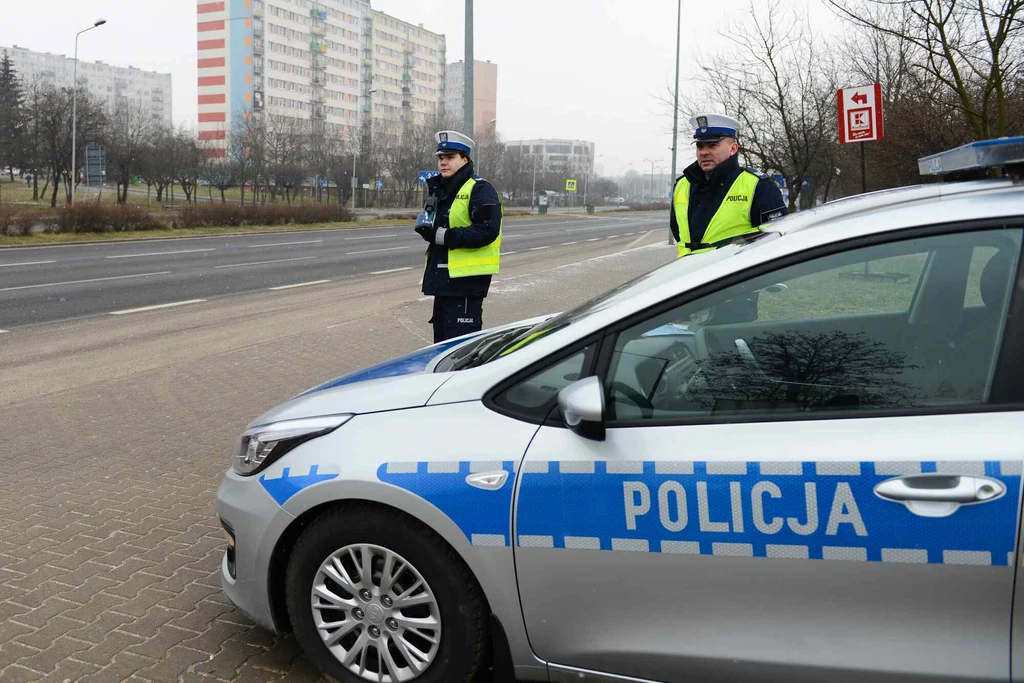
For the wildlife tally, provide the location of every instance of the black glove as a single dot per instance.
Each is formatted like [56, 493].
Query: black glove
[426, 231]
[425, 221]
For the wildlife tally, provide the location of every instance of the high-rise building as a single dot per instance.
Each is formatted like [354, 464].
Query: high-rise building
[286, 59]
[112, 85]
[485, 96]
[407, 75]
[575, 156]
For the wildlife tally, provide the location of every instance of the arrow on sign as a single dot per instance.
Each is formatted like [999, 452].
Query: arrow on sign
[860, 98]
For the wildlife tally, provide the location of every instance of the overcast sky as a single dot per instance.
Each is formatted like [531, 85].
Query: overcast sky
[593, 70]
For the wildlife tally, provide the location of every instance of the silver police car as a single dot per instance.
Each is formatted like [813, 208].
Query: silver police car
[795, 458]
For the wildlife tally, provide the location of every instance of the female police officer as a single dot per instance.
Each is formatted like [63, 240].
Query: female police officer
[464, 239]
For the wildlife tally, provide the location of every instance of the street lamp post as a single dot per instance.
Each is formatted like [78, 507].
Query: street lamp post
[74, 108]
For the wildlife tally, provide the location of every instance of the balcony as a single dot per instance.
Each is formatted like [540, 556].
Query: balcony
[317, 47]
[320, 14]
[257, 11]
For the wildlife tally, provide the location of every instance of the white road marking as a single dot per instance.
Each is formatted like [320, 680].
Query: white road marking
[160, 253]
[78, 282]
[506, 253]
[260, 263]
[393, 270]
[25, 263]
[3, 331]
[611, 237]
[538, 248]
[368, 237]
[593, 239]
[283, 244]
[301, 284]
[158, 306]
[565, 244]
[372, 251]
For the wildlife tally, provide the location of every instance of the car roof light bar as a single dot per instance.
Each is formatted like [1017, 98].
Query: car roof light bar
[976, 156]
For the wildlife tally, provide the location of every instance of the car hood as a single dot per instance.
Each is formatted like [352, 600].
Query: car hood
[370, 396]
[404, 382]
[417, 361]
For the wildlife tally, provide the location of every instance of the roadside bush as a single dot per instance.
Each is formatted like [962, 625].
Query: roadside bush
[235, 215]
[18, 220]
[648, 207]
[93, 218]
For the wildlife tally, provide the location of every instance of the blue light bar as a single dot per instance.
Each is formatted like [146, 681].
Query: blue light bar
[974, 157]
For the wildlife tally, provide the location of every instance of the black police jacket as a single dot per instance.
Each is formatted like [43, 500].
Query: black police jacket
[707, 194]
[484, 211]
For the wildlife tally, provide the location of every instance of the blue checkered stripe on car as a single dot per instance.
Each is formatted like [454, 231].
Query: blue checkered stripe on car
[483, 516]
[793, 510]
[778, 510]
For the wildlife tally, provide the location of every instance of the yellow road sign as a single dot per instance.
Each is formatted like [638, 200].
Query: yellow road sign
[570, 185]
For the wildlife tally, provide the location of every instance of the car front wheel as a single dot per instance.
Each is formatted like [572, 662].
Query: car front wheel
[375, 596]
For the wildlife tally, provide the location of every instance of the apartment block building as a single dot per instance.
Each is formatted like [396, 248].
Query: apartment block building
[570, 155]
[406, 82]
[291, 60]
[485, 96]
[109, 84]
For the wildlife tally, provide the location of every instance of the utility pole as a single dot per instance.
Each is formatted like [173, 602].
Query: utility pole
[467, 89]
[675, 104]
[675, 110]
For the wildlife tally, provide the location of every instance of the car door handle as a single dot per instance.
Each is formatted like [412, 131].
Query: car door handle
[939, 495]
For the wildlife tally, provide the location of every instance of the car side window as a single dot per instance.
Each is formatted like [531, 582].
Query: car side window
[903, 325]
[534, 398]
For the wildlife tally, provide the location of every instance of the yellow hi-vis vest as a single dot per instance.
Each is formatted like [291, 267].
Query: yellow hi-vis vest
[730, 221]
[465, 262]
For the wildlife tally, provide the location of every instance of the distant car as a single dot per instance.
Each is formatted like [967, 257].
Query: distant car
[619, 200]
[797, 457]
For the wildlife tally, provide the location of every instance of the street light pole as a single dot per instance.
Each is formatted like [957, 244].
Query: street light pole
[675, 105]
[74, 108]
[467, 74]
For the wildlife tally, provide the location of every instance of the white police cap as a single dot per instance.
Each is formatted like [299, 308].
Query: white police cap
[449, 141]
[714, 127]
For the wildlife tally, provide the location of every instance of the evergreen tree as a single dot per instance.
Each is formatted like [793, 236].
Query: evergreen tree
[12, 117]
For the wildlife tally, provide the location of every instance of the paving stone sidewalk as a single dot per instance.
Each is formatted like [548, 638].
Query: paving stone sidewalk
[109, 546]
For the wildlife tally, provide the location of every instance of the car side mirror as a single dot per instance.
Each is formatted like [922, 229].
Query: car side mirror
[582, 405]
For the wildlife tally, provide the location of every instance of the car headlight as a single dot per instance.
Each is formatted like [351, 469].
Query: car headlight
[262, 445]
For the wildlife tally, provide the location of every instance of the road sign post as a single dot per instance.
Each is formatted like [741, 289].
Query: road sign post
[860, 120]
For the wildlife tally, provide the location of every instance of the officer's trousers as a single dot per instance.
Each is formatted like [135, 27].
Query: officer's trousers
[456, 315]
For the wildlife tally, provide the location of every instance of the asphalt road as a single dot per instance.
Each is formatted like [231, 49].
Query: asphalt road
[56, 283]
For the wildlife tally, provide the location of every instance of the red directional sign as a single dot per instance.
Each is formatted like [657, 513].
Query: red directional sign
[860, 113]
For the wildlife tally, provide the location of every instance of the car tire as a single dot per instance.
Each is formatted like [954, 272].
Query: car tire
[345, 535]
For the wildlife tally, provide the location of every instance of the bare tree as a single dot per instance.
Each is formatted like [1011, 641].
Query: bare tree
[970, 49]
[287, 142]
[187, 159]
[52, 118]
[240, 154]
[220, 174]
[781, 85]
[128, 131]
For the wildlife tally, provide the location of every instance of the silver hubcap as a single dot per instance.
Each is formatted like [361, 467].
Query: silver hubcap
[376, 614]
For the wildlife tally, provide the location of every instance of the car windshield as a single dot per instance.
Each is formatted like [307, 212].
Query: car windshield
[623, 292]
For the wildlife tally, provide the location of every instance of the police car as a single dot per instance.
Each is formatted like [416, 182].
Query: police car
[794, 458]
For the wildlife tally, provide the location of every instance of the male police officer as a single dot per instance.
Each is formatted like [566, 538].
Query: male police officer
[715, 200]
[464, 236]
